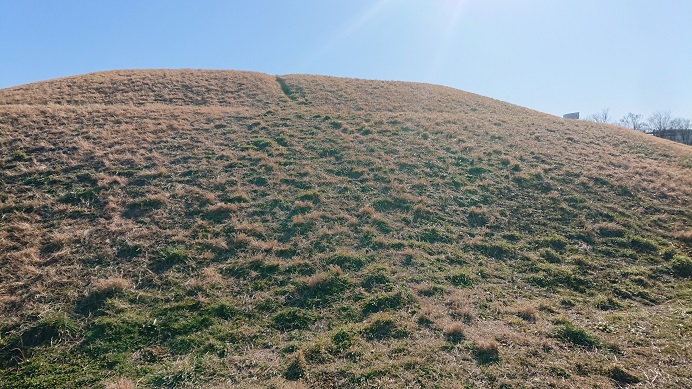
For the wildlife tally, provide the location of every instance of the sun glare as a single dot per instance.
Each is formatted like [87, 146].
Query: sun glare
[354, 25]
[442, 29]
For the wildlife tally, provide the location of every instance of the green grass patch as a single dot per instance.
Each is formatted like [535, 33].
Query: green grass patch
[391, 204]
[375, 277]
[570, 333]
[342, 340]
[51, 329]
[386, 326]
[622, 376]
[319, 290]
[19, 155]
[461, 277]
[643, 245]
[348, 260]
[291, 319]
[555, 242]
[387, 301]
[170, 256]
[550, 255]
[80, 195]
[551, 276]
[681, 266]
[496, 249]
[432, 235]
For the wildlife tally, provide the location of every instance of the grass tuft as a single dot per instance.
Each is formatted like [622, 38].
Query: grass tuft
[293, 319]
[384, 326]
[681, 266]
[568, 332]
[297, 366]
[461, 278]
[19, 155]
[528, 312]
[454, 332]
[320, 289]
[486, 351]
[622, 376]
[387, 301]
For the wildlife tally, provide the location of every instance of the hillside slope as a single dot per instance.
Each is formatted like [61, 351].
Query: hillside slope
[146, 87]
[178, 228]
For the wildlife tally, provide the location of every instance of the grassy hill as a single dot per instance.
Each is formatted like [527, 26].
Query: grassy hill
[181, 228]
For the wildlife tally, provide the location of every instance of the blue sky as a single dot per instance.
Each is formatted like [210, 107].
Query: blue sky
[555, 56]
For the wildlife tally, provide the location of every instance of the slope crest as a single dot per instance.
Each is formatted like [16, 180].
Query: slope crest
[347, 94]
[143, 87]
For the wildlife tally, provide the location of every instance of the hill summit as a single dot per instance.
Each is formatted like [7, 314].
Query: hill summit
[187, 228]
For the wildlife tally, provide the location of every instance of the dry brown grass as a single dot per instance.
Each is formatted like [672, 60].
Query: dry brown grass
[528, 312]
[190, 211]
[137, 88]
[122, 383]
[487, 350]
[111, 285]
[685, 236]
[460, 307]
[367, 211]
[432, 315]
[454, 332]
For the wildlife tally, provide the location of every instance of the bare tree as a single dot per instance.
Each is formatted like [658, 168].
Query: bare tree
[601, 117]
[683, 128]
[634, 121]
[659, 122]
[681, 124]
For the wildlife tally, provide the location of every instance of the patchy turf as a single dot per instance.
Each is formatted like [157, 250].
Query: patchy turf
[217, 228]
